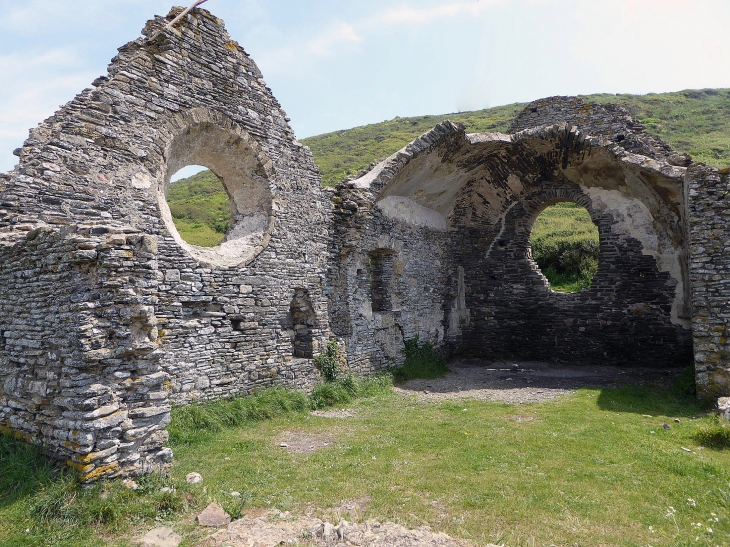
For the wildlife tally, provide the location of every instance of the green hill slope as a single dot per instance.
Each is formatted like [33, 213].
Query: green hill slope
[345, 152]
[696, 122]
[200, 209]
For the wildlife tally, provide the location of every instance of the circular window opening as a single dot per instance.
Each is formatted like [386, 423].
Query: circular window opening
[565, 245]
[200, 206]
[219, 209]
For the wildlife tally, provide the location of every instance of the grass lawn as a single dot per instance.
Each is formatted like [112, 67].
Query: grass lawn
[589, 469]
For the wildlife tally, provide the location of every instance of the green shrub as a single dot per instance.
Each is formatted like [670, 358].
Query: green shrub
[422, 361]
[565, 245]
[349, 388]
[331, 363]
[329, 394]
[715, 434]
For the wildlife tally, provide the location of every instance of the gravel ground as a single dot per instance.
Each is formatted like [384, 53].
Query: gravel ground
[526, 382]
[274, 528]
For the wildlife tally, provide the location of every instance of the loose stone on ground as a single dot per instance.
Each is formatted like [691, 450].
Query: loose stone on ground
[270, 529]
[334, 413]
[304, 442]
[525, 382]
[213, 516]
[161, 537]
[193, 478]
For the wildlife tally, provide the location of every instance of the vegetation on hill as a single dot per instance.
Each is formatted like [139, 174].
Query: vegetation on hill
[345, 152]
[565, 245]
[200, 209]
[696, 122]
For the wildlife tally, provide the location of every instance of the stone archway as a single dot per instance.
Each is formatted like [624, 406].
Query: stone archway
[478, 196]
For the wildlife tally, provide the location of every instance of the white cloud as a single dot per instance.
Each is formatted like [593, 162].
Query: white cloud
[299, 52]
[326, 43]
[410, 14]
[33, 86]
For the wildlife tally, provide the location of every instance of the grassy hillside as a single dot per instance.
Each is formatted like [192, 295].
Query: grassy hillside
[345, 152]
[200, 209]
[696, 122]
[565, 245]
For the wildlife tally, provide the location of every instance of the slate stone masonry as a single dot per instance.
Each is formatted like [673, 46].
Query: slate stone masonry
[80, 365]
[221, 322]
[709, 233]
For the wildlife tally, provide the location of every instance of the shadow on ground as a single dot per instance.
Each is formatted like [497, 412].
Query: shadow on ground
[24, 470]
[622, 389]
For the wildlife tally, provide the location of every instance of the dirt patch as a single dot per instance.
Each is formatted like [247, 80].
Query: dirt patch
[527, 382]
[520, 419]
[352, 510]
[275, 528]
[334, 413]
[304, 442]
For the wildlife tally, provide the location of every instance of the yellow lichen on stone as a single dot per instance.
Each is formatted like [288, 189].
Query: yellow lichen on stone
[99, 472]
[73, 446]
[80, 467]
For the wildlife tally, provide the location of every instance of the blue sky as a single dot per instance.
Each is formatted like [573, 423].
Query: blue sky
[339, 64]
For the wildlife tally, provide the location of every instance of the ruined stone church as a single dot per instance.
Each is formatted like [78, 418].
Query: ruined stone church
[107, 317]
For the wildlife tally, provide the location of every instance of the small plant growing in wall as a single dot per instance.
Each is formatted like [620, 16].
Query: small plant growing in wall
[330, 363]
[422, 361]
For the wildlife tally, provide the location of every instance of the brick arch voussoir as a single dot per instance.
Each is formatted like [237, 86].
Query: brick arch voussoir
[530, 207]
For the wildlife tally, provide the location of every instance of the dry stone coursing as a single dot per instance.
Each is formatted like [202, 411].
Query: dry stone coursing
[217, 322]
[107, 317]
[709, 233]
[80, 366]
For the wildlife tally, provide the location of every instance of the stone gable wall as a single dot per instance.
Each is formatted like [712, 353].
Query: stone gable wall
[193, 96]
[221, 322]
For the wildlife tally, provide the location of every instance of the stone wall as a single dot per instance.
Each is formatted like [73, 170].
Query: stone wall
[79, 362]
[176, 98]
[107, 316]
[223, 319]
[709, 233]
[610, 121]
[484, 192]
[387, 273]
